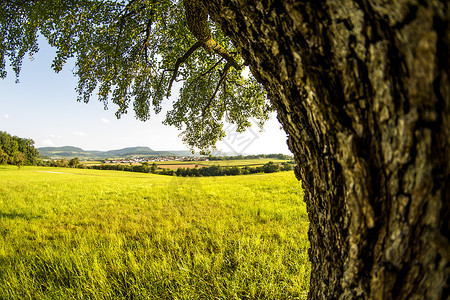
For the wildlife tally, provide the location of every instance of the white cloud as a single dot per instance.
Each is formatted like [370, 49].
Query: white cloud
[79, 133]
[55, 136]
[105, 120]
[48, 143]
[6, 116]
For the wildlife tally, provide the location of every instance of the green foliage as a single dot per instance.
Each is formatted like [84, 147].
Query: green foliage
[18, 159]
[252, 156]
[74, 162]
[62, 163]
[87, 234]
[216, 170]
[11, 146]
[286, 166]
[154, 168]
[129, 53]
[3, 157]
[270, 167]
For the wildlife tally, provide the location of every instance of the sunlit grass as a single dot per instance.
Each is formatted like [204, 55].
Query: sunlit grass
[88, 234]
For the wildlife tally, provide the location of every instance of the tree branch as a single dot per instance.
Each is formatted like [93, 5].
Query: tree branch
[197, 20]
[223, 75]
[181, 60]
[147, 38]
[211, 44]
[125, 12]
[162, 77]
[212, 68]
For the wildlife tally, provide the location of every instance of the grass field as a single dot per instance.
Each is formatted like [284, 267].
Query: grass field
[89, 234]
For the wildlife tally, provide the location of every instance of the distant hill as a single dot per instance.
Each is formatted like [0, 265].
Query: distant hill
[131, 151]
[65, 151]
[60, 149]
[70, 152]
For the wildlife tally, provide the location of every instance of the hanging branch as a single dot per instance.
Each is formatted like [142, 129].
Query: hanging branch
[212, 68]
[147, 38]
[223, 75]
[181, 60]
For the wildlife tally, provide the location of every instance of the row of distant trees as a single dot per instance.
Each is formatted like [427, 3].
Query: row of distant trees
[274, 156]
[269, 167]
[215, 170]
[63, 163]
[144, 168]
[17, 151]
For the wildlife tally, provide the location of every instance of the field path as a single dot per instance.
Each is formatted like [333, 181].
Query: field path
[54, 172]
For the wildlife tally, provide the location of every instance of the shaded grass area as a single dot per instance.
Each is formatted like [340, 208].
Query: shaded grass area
[88, 234]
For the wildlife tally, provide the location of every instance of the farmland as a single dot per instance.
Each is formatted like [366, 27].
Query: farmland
[90, 234]
[175, 164]
[223, 163]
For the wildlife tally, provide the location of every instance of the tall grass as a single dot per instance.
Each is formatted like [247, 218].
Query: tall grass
[88, 234]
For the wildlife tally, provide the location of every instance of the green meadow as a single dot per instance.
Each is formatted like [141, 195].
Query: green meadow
[90, 234]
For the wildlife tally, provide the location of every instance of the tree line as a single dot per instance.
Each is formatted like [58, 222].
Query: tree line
[217, 170]
[62, 163]
[17, 151]
[214, 170]
[258, 156]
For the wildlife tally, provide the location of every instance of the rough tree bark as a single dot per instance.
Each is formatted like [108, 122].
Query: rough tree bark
[362, 89]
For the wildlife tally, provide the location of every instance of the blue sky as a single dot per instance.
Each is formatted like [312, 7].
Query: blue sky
[43, 107]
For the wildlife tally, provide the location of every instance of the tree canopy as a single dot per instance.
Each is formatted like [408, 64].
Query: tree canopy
[130, 53]
[16, 150]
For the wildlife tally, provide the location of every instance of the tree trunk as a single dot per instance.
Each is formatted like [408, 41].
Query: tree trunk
[362, 90]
